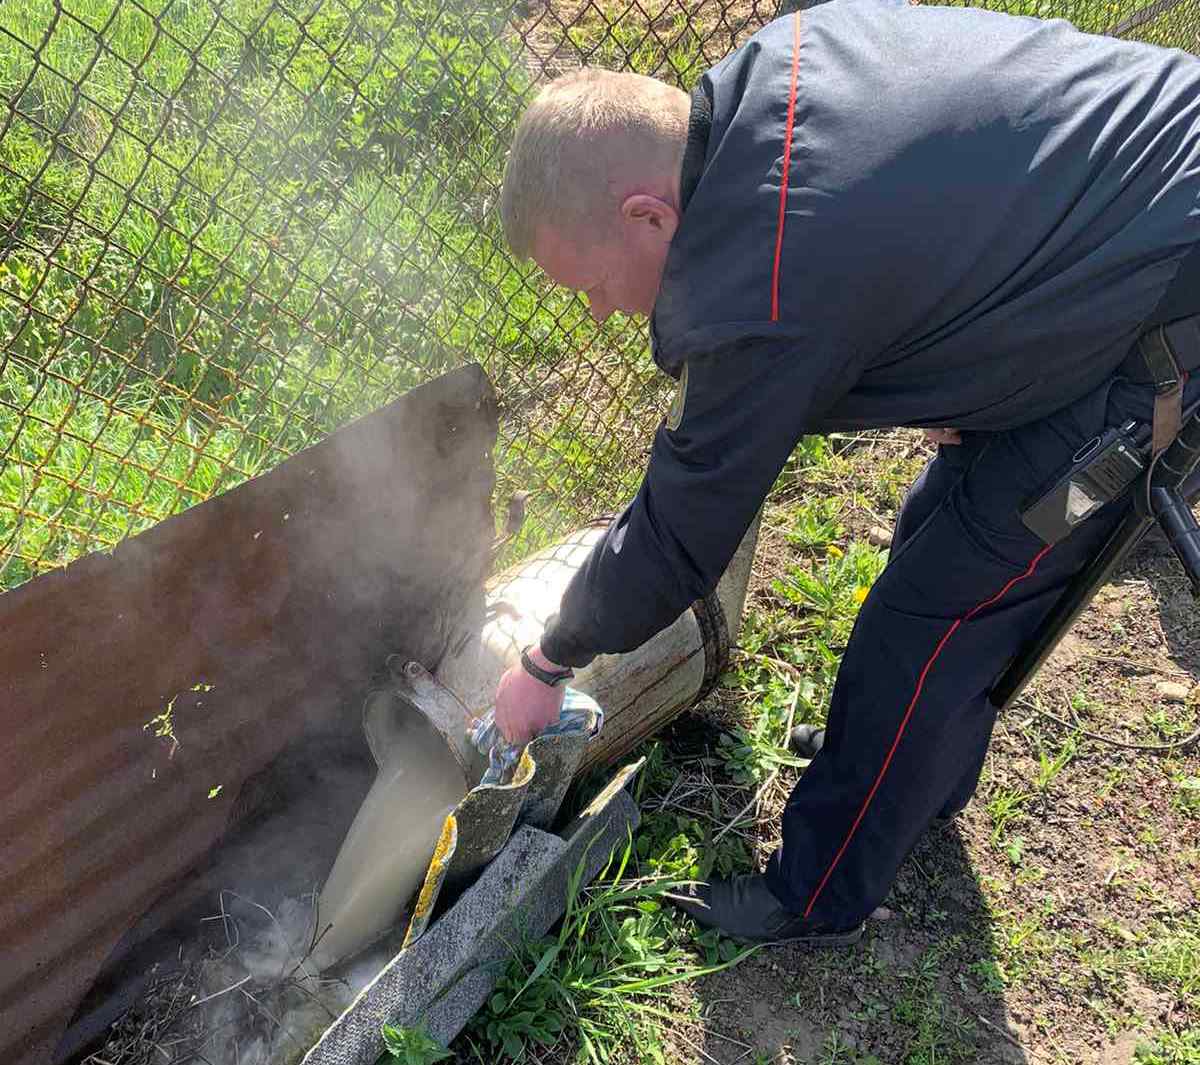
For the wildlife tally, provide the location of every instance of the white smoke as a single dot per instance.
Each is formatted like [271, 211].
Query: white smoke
[261, 1001]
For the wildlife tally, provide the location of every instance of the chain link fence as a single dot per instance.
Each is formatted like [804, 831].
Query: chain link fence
[229, 226]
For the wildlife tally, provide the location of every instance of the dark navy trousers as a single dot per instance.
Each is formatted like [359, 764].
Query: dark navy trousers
[909, 720]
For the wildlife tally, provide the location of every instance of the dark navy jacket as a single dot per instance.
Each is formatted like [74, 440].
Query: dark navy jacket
[896, 215]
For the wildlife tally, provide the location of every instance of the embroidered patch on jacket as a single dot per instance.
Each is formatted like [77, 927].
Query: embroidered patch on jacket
[675, 414]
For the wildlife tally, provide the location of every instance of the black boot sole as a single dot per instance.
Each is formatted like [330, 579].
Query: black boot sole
[701, 915]
[818, 939]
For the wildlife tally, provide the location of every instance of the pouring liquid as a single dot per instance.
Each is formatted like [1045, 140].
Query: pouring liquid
[386, 853]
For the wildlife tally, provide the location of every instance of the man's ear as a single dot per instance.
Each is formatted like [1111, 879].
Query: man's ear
[659, 218]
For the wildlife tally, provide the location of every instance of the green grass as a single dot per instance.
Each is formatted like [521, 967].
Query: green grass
[1090, 16]
[668, 45]
[602, 984]
[256, 221]
[1186, 796]
[938, 1033]
[237, 224]
[92, 475]
[1170, 957]
[819, 596]
[1051, 763]
[1005, 806]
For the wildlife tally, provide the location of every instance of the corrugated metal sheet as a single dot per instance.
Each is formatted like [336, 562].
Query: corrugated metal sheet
[253, 619]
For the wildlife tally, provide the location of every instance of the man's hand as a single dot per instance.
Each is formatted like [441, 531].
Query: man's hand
[942, 436]
[524, 705]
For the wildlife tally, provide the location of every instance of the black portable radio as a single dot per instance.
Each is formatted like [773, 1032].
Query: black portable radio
[1101, 471]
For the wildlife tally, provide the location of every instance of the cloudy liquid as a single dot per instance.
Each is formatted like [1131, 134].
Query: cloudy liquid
[386, 853]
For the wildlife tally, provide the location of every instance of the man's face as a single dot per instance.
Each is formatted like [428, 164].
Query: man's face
[620, 271]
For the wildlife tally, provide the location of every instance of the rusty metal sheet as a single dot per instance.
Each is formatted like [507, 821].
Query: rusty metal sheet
[140, 690]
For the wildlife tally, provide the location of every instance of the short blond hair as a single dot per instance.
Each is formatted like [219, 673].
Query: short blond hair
[560, 167]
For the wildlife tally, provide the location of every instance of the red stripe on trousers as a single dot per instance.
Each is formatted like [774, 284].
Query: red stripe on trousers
[787, 157]
[908, 714]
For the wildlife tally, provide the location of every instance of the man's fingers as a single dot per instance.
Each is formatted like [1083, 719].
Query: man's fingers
[513, 731]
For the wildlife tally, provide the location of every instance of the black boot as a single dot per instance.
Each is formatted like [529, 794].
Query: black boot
[806, 740]
[946, 816]
[745, 908]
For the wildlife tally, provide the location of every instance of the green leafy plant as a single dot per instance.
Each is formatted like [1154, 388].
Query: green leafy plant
[1170, 1048]
[412, 1046]
[752, 754]
[816, 524]
[830, 595]
[1187, 794]
[796, 685]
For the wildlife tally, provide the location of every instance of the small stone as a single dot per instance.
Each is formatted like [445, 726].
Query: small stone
[878, 536]
[881, 913]
[1172, 691]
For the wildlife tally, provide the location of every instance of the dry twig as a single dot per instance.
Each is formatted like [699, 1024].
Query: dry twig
[1154, 748]
[218, 994]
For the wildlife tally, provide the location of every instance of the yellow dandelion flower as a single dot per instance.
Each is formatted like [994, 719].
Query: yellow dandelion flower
[860, 594]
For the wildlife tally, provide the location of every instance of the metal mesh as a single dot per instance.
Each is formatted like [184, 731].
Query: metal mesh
[229, 226]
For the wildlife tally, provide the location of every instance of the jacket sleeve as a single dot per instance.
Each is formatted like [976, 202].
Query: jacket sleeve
[744, 410]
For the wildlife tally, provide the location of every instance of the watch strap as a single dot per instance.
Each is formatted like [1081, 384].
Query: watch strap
[553, 677]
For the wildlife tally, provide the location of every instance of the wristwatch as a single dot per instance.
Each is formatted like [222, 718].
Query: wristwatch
[553, 677]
